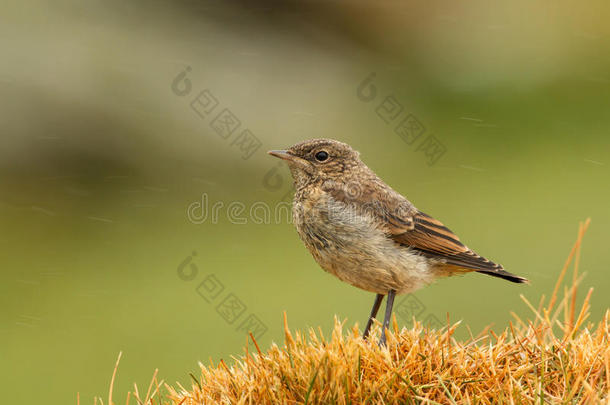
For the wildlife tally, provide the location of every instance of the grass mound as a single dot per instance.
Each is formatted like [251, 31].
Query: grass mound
[554, 358]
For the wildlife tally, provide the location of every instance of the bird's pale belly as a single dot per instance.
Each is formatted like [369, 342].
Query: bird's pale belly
[352, 248]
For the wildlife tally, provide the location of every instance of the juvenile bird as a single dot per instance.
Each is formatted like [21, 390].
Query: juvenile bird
[365, 233]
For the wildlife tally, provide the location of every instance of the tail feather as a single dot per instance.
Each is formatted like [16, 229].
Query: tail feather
[471, 260]
[505, 275]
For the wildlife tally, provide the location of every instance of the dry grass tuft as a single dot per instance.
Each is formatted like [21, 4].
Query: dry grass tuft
[554, 358]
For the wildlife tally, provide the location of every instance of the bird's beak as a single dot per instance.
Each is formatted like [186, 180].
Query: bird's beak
[282, 154]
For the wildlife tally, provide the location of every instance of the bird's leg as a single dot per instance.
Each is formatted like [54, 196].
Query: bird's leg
[388, 314]
[374, 311]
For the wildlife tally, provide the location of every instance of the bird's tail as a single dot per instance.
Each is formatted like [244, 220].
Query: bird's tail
[472, 261]
[505, 275]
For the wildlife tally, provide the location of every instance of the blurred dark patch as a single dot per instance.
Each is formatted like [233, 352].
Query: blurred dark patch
[366, 26]
[60, 137]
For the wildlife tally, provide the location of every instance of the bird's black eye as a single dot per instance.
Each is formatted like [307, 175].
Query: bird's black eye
[321, 156]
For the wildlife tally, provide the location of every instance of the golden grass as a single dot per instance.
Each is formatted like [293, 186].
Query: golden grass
[553, 358]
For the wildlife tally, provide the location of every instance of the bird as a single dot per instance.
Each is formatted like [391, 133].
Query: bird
[365, 233]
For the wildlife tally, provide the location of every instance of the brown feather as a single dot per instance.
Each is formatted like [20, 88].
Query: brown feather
[435, 240]
[408, 226]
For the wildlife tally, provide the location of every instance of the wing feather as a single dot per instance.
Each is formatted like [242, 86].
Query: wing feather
[412, 228]
[433, 239]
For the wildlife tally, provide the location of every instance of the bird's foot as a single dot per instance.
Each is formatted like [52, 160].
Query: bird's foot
[382, 340]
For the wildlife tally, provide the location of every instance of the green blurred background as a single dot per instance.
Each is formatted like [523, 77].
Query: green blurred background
[100, 159]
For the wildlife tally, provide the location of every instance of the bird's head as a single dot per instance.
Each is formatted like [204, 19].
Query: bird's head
[319, 160]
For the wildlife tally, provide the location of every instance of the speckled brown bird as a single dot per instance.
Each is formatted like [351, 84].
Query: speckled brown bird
[365, 233]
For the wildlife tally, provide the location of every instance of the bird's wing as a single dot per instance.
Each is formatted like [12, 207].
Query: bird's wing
[411, 228]
[433, 239]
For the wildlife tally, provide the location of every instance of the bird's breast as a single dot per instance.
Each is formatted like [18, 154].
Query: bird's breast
[323, 222]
